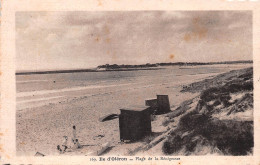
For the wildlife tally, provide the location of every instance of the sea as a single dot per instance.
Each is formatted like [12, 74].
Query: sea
[35, 90]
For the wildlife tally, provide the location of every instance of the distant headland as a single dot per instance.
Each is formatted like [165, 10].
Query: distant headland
[116, 67]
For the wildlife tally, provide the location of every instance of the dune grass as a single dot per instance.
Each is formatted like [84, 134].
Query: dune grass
[198, 130]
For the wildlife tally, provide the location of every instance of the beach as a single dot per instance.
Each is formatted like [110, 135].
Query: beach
[49, 105]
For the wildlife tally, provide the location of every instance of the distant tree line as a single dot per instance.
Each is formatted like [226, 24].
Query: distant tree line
[203, 63]
[116, 66]
[130, 67]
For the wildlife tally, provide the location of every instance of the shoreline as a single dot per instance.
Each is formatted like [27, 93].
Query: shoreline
[62, 98]
[35, 119]
[133, 67]
[83, 70]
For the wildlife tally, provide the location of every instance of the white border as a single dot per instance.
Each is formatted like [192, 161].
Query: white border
[7, 113]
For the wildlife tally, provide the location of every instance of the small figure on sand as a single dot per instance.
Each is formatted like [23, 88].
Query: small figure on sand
[74, 138]
[75, 142]
[64, 146]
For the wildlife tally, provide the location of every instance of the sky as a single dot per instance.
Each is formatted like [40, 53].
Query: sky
[86, 39]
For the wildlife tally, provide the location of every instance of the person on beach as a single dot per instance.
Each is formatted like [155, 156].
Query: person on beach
[76, 144]
[74, 138]
[64, 146]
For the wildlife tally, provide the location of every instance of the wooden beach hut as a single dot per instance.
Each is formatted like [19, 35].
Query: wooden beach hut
[163, 104]
[134, 123]
[160, 105]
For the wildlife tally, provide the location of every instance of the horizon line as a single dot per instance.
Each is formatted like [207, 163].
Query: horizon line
[93, 69]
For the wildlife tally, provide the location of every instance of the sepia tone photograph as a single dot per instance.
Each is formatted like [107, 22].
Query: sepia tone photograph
[130, 83]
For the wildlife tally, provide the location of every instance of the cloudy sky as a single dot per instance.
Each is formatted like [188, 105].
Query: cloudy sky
[66, 40]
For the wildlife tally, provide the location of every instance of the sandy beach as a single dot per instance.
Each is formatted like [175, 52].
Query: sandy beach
[47, 108]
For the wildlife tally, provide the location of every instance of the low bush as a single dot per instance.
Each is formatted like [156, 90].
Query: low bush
[192, 120]
[229, 136]
[172, 145]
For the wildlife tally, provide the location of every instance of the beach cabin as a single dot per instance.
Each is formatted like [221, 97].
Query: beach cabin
[163, 104]
[159, 106]
[134, 123]
[152, 103]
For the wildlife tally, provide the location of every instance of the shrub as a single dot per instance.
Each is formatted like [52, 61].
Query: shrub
[172, 145]
[192, 120]
[231, 137]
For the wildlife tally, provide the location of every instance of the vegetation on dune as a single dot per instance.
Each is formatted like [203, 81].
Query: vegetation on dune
[227, 136]
[229, 78]
[199, 130]
[216, 99]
